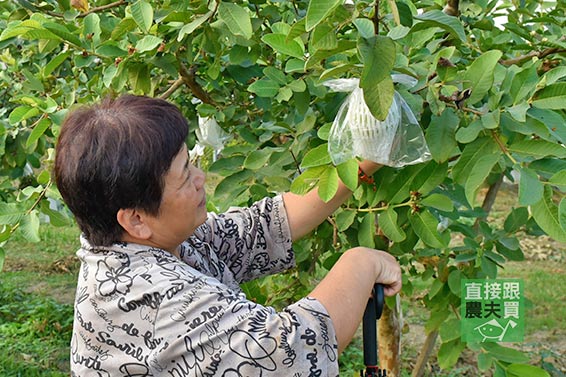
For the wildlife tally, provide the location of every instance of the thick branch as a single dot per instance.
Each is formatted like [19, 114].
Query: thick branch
[375, 18]
[189, 78]
[425, 353]
[489, 199]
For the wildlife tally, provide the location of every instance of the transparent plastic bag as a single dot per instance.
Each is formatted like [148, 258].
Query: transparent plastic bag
[396, 141]
[210, 134]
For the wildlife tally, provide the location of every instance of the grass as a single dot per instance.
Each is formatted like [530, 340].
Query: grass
[38, 283]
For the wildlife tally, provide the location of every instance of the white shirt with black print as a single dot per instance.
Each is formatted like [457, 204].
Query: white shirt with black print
[139, 311]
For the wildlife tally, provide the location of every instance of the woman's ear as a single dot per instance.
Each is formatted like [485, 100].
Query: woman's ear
[134, 224]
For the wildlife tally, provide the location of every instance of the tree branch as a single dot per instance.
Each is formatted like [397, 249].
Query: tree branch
[189, 78]
[452, 8]
[103, 8]
[172, 88]
[539, 54]
[375, 17]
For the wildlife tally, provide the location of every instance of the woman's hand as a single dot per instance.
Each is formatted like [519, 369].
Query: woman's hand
[346, 289]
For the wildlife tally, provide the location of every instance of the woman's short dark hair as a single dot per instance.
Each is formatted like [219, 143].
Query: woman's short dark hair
[114, 155]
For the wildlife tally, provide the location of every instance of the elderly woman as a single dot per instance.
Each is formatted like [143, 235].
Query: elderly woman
[158, 291]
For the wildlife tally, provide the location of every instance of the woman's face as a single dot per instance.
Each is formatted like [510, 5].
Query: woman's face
[183, 205]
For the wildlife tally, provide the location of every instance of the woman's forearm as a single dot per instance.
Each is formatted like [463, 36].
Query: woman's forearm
[306, 212]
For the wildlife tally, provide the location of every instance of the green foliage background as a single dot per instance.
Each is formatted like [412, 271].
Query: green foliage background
[490, 99]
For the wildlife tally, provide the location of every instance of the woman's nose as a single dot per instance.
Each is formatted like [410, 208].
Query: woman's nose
[200, 178]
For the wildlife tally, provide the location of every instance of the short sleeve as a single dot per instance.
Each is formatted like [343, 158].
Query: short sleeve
[251, 242]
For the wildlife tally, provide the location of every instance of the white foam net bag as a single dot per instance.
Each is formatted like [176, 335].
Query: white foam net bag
[396, 141]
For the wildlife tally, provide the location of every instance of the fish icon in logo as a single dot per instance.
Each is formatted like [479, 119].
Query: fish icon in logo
[493, 330]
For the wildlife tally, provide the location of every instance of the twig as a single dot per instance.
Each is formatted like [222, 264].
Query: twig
[172, 88]
[102, 8]
[189, 78]
[539, 54]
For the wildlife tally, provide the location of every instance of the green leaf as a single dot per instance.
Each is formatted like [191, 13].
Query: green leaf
[236, 18]
[193, 25]
[365, 27]
[126, 25]
[55, 62]
[307, 180]
[449, 353]
[22, 113]
[454, 279]
[379, 98]
[478, 174]
[538, 148]
[56, 218]
[438, 201]
[524, 84]
[516, 219]
[345, 219]
[257, 159]
[148, 43]
[264, 87]
[479, 75]
[279, 43]
[316, 157]
[318, 10]
[440, 135]
[29, 227]
[328, 184]
[2, 257]
[111, 50]
[38, 131]
[10, 213]
[348, 173]
[425, 226]
[546, 215]
[139, 79]
[450, 330]
[62, 32]
[530, 187]
[509, 355]
[551, 97]
[142, 12]
[91, 26]
[437, 18]
[388, 223]
[490, 120]
[378, 55]
[367, 231]
[323, 37]
[559, 180]
[525, 370]
[470, 156]
[484, 362]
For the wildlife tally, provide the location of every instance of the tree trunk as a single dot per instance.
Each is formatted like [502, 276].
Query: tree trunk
[389, 340]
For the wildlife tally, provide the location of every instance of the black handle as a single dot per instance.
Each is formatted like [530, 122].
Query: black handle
[372, 313]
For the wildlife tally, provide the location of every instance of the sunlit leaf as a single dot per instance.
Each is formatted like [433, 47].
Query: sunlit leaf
[236, 18]
[142, 12]
[317, 11]
[388, 223]
[545, 213]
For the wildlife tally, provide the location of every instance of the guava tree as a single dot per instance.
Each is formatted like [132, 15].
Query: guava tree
[490, 95]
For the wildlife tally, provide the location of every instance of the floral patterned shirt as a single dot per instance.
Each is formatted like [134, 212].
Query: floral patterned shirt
[140, 311]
